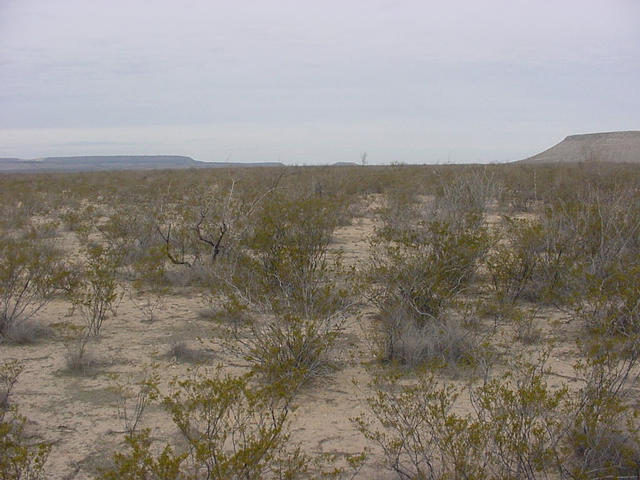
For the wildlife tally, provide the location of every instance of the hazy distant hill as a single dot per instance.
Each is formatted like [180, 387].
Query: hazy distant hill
[623, 147]
[114, 162]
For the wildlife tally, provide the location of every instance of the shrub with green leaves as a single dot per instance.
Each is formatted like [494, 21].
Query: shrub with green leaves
[97, 292]
[520, 426]
[20, 457]
[415, 275]
[288, 348]
[31, 272]
[231, 429]
[604, 436]
[427, 269]
[290, 245]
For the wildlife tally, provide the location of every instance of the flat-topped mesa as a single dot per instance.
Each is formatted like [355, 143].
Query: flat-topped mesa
[610, 147]
[88, 163]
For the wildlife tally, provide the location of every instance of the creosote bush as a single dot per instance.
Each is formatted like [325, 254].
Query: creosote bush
[287, 275]
[97, 291]
[416, 272]
[519, 427]
[31, 272]
[231, 428]
[255, 242]
[20, 457]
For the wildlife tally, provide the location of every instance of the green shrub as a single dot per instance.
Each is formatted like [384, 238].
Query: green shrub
[513, 431]
[31, 272]
[20, 457]
[290, 243]
[604, 435]
[519, 425]
[288, 348]
[97, 292]
[231, 429]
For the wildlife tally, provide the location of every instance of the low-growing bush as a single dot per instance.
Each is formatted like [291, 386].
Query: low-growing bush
[440, 343]
[26, 331]
[519, 426]
[180, 351]
[288, 348]
[230, 429]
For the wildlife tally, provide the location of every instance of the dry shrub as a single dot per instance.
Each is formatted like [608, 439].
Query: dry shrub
[79, 359]
[179, 350]
[443, 342]
[24, 332]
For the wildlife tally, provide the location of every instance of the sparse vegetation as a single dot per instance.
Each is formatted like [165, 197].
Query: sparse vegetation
[471, 273]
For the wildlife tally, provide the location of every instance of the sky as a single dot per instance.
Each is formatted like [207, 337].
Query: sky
[315, 82]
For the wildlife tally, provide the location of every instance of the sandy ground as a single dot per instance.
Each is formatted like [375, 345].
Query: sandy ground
[79, 413]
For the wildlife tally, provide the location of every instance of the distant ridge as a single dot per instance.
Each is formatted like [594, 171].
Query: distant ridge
[115, 162]
[609, 147]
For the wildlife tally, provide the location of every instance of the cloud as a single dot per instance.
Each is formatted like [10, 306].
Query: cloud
[460, 70]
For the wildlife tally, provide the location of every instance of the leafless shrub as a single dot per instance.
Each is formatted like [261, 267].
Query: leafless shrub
[26, 331]
[79, 359]
[150, 303]
[132, 403]
[179, 350]
[472, 192]
[443, 342]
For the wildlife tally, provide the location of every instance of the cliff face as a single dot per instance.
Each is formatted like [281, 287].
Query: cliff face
[618, 147]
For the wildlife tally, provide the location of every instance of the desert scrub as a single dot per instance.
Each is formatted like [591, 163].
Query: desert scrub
[31, 272]
[290, 242]
[20, 456]
[528, 262]
[439, 343]
[605, 435]
[512, 432]
[520, 426]
[287, 348]
[287, 275]
[415, 273]
[470, 192]
[97, 291]
[611, 306]
[427, 268]
[230, 429]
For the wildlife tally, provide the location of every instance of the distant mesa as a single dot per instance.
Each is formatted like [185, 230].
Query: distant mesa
[609, 147]
[115, 162]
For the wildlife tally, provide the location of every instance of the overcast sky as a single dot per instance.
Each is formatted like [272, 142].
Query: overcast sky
[315, 81]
